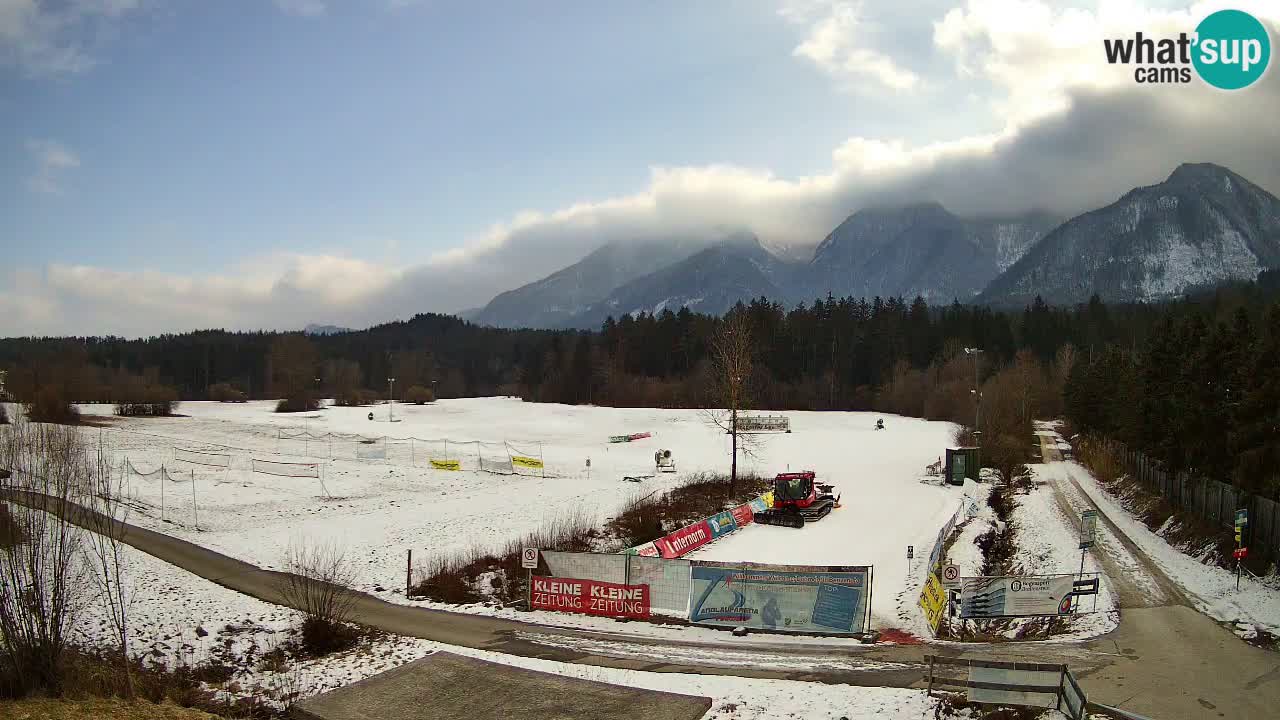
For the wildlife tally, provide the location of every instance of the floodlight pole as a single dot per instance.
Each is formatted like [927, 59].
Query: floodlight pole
[391, 406]
[977, 400]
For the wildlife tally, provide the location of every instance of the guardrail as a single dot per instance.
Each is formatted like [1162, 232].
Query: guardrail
[1044, 685]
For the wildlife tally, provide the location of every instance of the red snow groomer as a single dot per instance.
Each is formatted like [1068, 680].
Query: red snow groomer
[798, 497]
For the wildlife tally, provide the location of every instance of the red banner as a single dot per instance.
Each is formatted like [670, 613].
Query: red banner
[590, 597]
[685, 540]
[743, 515]
[639, 436]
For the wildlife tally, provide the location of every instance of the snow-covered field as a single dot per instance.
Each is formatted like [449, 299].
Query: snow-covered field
[379, 509]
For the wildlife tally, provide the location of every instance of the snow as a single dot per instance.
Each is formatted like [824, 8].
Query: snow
[381, 508]
[884, 508]
[1212, 589]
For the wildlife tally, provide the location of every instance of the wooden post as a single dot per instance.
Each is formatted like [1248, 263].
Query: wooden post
[194, 512]
[408, 574]
[541, 460]
[162, 474]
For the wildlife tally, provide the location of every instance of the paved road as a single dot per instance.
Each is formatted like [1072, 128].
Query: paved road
[1165, 662]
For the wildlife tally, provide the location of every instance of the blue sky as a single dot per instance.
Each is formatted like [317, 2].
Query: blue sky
[166, 164]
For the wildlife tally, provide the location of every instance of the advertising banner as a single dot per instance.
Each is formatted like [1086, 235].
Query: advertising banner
[528, 462]
[759, 504]
[446, 464]
[646, 550]
[767, 498]
[639, 436]
[788, 598]
[742, 515]
[993, 597]
[721, 524]
[933, 600]
[590, 597]
[685, 540]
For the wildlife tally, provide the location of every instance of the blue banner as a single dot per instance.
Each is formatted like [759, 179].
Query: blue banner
[786, 598]
[722, 524]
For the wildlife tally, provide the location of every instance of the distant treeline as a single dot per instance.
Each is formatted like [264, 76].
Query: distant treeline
[1195, 383]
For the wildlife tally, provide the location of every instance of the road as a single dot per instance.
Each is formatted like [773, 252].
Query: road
[1165, 660]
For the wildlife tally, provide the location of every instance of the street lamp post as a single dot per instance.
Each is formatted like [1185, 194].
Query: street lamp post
[977, 402]
[391, 406]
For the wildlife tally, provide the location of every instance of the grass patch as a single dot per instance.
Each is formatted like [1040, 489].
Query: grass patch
[648, 517]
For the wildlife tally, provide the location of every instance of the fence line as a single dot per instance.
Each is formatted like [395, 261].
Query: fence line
[1212, 501]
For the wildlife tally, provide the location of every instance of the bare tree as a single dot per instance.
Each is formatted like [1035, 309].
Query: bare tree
[104, 552]
[43, 577]
[318, 582]
[731, 365]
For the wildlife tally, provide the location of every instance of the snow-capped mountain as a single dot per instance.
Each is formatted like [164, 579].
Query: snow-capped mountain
[920, 250]
[709, 281]
[1202, 226]
[556, 299]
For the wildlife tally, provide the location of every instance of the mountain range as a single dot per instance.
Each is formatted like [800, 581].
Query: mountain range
[1202, 226]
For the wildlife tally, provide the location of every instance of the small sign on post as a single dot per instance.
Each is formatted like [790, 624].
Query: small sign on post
[1088, 528]
[1241, 552]
[951, 576]
[529, 558]
[529, 561]
[910, 551]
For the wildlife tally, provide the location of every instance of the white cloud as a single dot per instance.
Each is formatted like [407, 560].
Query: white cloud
[305, 8]
[836, 40]
[54, 38]
[1035, 53]
[52, 159]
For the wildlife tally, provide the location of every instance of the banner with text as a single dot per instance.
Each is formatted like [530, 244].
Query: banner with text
[721, 524]
[993, 597]
[590, 597]
[787, 598]
[528, 462]
[685, 540]
[446, 464]
[933, 600]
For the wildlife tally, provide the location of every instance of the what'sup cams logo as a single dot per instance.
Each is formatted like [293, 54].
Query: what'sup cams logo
[1229, 50]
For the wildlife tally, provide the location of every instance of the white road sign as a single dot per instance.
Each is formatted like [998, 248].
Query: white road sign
[529, 558]
[951, 576]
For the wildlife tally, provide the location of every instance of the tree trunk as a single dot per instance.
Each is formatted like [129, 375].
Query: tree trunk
[733, 467]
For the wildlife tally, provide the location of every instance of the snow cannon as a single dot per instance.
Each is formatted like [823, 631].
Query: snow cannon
[880, 424]
[664, 461]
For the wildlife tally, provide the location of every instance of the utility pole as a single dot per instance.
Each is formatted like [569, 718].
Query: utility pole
[391, 406]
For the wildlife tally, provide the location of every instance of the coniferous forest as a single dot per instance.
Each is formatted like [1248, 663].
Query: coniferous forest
[1194, 384]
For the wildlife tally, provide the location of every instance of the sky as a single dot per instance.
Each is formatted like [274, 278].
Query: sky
[168, 165]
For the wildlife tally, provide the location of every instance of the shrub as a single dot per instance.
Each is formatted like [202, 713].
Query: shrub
[226, 392]
[303, 402]
[318, 582]
[354, 397]
[419, 395]
[148, 401]
[4, 414]
[51, 405]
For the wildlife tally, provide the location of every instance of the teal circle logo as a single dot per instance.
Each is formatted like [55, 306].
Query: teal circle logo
[1232, 49]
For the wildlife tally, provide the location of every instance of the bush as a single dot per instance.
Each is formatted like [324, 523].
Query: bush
[419, 395]
[227, 393]
[299, 403]
[318, 582]
[4, 414]
[148, 401]
[355, 397]
[51, 405]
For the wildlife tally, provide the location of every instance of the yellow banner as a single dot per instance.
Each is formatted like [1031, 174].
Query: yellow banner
[446, 464]
[526, 461]
[933, 600]
[768, 499]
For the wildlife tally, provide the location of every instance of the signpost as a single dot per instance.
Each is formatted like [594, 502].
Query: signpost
[951, 577]
[911, 550]
[529, 561]
[1241, 552]
[1088, 533]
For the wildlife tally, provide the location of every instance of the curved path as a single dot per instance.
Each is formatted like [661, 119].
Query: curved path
[1166, 662]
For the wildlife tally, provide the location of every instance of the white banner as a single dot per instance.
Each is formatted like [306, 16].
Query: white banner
[269, 467]
[200, 457]
[993, 597]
